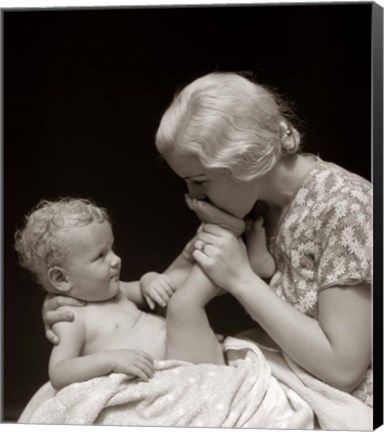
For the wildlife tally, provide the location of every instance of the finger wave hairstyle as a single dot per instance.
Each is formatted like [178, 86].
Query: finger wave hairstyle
[231, 123]
[40, 242]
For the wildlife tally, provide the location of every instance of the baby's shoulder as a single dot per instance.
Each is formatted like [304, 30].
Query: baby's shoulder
[79, 316]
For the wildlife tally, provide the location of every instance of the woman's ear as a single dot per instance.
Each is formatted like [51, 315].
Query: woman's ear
[290, 138]
[57, 276]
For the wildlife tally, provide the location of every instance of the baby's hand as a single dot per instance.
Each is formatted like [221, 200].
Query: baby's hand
[157, 288]
[208, 213]
[133, 363]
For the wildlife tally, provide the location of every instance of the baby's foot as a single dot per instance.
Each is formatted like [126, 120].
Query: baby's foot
[259, 257]
[208, 213]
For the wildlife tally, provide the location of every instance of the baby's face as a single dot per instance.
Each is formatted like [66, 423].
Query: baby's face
[93, 269]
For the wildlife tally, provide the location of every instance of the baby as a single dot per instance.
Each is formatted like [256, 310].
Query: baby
[68, 246]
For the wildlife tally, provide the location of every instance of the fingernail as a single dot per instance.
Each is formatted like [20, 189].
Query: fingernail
[69, 315]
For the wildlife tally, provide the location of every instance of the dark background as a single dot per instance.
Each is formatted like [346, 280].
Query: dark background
[84, 91]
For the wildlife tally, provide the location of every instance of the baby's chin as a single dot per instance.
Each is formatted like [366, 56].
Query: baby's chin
[113, 292]
[114, 288]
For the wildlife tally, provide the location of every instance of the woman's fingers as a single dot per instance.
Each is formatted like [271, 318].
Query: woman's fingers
[52, 337]
[54, 302]
[201, 258]
[208, 238]
[53, 317]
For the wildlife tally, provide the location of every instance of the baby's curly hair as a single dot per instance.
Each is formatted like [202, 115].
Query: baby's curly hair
[39, 242]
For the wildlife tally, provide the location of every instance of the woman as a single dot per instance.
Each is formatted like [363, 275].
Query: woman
[235, 147]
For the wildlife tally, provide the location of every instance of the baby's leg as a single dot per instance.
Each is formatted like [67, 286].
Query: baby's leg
[189, 335]
[259, 257]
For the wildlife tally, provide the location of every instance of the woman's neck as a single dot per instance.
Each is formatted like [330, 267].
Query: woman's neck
[281, 184]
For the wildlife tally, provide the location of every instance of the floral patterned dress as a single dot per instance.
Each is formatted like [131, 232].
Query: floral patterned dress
[324, 240]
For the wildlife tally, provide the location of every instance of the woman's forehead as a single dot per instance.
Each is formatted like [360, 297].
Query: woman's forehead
[186, 166]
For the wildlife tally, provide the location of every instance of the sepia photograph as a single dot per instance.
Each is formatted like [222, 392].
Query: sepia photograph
[192, 216]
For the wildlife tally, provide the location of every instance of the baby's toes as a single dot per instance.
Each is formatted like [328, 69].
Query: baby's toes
[258, 227]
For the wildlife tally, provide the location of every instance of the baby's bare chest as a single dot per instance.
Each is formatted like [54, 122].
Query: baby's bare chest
[108, 324]
[123, 326]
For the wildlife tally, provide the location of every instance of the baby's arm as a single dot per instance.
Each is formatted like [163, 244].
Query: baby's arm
[158, 288]
[67, 366]
[152, 288]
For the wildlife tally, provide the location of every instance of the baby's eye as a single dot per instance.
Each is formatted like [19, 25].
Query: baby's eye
[100, 256]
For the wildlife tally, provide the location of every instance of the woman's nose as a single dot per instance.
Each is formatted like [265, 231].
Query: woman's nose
[196, 191]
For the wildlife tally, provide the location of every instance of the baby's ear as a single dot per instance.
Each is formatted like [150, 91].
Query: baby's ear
[58, 278]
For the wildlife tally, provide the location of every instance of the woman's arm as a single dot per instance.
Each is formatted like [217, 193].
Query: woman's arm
[336, 348]
[67, 366]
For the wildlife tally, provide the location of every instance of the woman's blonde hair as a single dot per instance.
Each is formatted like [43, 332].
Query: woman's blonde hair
[230, 123]
[40, 243]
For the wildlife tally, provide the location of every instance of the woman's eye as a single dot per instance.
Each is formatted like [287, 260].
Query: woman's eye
[199, 183]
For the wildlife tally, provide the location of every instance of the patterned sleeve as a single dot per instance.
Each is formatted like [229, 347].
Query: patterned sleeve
[346, 256]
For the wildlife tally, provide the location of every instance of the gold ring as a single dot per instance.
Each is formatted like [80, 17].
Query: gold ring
[203, 246]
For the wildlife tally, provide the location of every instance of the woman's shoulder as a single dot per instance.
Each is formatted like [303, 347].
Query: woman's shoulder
[331, 185]
[330, 199]
[336, 177]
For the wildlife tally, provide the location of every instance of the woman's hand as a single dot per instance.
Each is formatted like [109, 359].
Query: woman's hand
[223, 257]
[208, 213]
[52, 314]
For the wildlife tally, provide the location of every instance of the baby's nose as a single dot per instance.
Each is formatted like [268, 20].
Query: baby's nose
[116, 261]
